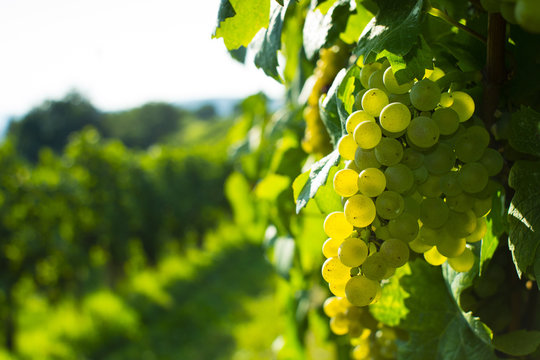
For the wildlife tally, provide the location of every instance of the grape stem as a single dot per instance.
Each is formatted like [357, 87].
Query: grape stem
[444, 16]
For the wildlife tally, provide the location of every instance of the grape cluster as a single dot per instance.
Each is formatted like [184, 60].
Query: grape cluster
[417, 178]
[525, 13]
[316, 140]
[369, 338]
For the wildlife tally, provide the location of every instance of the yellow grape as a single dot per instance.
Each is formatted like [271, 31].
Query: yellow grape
[356, 118]
[330, 247]
[347, 147]
[333, 271]
[336, 225]
[346, 182]
[361, 291]
[360, 210]
[434, 257]
[463, 262]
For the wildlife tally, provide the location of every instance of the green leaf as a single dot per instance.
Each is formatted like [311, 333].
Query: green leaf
[489, 245]
[524, 214]
[269, 43]
[239, 29]
[329, 109]
[271, 186]
[321, 29]
[395, 28]
[518, 343]
[299, 183]
[317, 178]
[327, 199]
[391, 309]
[356, 23]
[525, 131]
[346, 89]
[284, 255]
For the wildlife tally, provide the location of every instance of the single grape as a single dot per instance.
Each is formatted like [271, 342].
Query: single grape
[361, 291]
[351, 165]
[463, 262]
[434, 257]
[479, 232]
[461, 224]
[353, 252]
[356, 118]
[336, 225]
[434, 212]
[446, 119]
[332, 306]
[382, 232]
[367, 134]
[373, 101]
[482, 206]
[330, 247]
[419, 247]
[471, 145]
[425, 95]
[346, 182]
[395, 117]
[339, 324]
[333, 271]
[366, 159]
[347, 147]
[395, 252]
[376, 81]
[460, 203]
[389, 205]
[428, 236]
[360, 210]
[420, 175]
[527, 13]
[492, 161]
[473, 177]
[463, 105]
[431, 187]
[361, 352]
[358, 100]
[446, 100]
[507, 9]
[338, 289]
[404, 227]
[401, 98]
[375, 267]
[389, 152]
[371, 182]
[450, 185]
[412, 158]
[423, 132]
[450, 246]
[392, 84]
[412, 205]
[366, 71]
[440, 160]
[399, 178]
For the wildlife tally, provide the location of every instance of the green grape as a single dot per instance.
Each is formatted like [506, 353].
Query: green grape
[450, 246]
[330, 247]
[434, 212]
[482, 206]
[371, 182]
[436, 74]
[373, 101]
[471, 145]
[358, 99]
[367, 134]
[356, 118]
[353, 252]
[491, 188]
[463, 105]
[460, 203]
[376, 81]
[395, 252]
[389, 273]
[366, 159]
[339, 324]
[361, 291]
[479, 232]
[412, 158]
[351, 165]
[389, 205]
[420, 175]
[425, 95]
[428, 236]
[491, 6]
[446, 100]
[389, 152]
[473, 177]
[440, 160]
[392, 134]
[366, 71]
[375, 267]
[412, 205]
[395, 117]
[336, 225]
[450, 185]
[333, 306]
[446, 119]
[360, 210]
[404, 227]
[434, 257]
[463, 262]
[527, 14]
[333, 271]
[431, 187]
[508, 11]
[492, 161]
[382, 233]
[419, 247]
[401, 98]
[423, 132]
[399, 178]
[338, 289]
[461, 224]
[392, 85]
[347, 147]
[346, 182]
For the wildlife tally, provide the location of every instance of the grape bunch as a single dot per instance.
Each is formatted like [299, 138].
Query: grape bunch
[369, 338]
[525, 13]
[417, 177]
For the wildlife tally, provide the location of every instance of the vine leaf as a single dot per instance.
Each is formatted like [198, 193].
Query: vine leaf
[311, 183]
[524, 214]
[330, 107]
[240, 20]
[391, 309]
[395, 28]
[525, 131]
[321, 29]
[489, 245]
[518, 343]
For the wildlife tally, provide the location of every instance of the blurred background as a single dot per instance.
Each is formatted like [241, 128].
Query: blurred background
[128, 226]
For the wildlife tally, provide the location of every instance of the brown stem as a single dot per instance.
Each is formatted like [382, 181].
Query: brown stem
[495, 70]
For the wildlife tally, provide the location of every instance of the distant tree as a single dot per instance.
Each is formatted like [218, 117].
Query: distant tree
[51, 123]
[206, 112]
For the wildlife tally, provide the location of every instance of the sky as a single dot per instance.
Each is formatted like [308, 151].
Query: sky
[118, 53]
